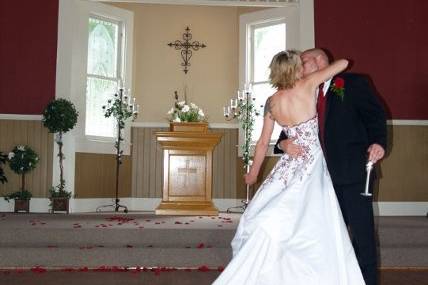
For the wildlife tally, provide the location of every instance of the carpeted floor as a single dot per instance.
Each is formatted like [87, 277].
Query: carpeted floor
[180, 277]
[69, 244]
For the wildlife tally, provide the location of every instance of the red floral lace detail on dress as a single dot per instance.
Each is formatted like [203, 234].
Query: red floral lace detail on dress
[287, 168]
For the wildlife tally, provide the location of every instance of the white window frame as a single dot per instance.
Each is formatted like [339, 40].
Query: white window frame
[71, 71]
[120, 74]
[85, 10]
[299, 21]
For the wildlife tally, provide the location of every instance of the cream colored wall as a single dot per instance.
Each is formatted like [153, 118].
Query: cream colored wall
[213, 75]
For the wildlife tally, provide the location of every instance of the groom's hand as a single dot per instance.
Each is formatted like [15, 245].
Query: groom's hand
[290, 148]
[376, 152]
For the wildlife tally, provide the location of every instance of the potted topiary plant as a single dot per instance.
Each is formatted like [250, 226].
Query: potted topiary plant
[3, 159]
[22, 159]
[60, 116]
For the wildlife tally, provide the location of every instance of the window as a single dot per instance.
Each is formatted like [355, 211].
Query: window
[262, 35]
[96, 52]
[265, 41]
[103, 73]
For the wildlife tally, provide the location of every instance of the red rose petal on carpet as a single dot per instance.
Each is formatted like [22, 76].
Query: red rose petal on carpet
[203, 268]
[38, 269]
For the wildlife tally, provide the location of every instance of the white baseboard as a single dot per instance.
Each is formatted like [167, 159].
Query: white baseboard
[400, 208]
[41, 205]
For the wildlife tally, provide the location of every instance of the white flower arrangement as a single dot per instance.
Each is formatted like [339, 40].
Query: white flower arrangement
[183, 112]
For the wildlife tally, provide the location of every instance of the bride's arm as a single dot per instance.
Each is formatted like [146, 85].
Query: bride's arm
[326, 73]
[261, 146]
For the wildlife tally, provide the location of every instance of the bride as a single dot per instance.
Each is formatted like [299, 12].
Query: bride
[293, 231]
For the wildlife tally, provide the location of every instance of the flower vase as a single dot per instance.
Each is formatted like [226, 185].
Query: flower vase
[60, 204]
[22, 205]
[198, 127]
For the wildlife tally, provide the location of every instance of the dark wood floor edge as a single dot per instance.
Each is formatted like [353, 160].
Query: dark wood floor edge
[168, 268]
[403, 268]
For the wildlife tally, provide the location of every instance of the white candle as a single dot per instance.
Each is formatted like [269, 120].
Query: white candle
[233, 103]
[241, 95]
[226, 111]
[248, 88]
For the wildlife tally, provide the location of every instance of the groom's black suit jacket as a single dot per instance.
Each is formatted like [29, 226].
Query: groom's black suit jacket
[351, 125]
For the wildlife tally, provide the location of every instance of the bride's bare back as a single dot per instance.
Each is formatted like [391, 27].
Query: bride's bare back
[290, 107]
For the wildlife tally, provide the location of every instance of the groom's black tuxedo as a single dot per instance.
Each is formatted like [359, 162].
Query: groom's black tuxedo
[351, 126]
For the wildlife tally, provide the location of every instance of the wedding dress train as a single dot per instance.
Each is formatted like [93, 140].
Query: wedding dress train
[293, 231]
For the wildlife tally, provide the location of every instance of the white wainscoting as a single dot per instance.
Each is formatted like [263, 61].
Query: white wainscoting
[41, 205]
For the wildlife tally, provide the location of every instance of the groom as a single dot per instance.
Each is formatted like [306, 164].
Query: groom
[352, 130]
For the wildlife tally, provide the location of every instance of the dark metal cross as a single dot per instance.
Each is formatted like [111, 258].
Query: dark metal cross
[186, 48]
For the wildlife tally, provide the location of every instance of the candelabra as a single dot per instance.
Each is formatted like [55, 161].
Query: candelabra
[244, 109]
[121, 107]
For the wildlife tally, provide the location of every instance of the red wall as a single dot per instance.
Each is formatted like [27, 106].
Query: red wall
[28, 44]
[388, 41]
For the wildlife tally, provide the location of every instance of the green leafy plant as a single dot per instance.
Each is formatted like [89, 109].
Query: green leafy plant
[55, 192]
[3, 159]
[60, 116]
[22, 159]
[248, 111]
[184, 112]
[121, 109]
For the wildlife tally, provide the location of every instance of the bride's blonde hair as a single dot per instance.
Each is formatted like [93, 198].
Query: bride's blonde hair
[284, 69]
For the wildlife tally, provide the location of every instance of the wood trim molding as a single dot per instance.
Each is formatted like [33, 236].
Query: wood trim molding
[408, 122]
[19, 117]
[249, 3]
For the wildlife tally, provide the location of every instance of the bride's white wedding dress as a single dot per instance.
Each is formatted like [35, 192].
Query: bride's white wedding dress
[293, 231]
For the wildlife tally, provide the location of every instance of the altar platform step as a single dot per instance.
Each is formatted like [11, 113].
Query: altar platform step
[27, 257]
[146, 240]
[403, 241]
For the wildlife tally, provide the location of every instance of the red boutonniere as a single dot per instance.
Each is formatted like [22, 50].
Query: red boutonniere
[338, 87]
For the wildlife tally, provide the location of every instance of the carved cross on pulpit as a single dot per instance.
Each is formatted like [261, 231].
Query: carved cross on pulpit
[186, 48]
[186, 171]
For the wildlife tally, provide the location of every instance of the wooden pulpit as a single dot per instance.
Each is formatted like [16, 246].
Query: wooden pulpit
[187, 169]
